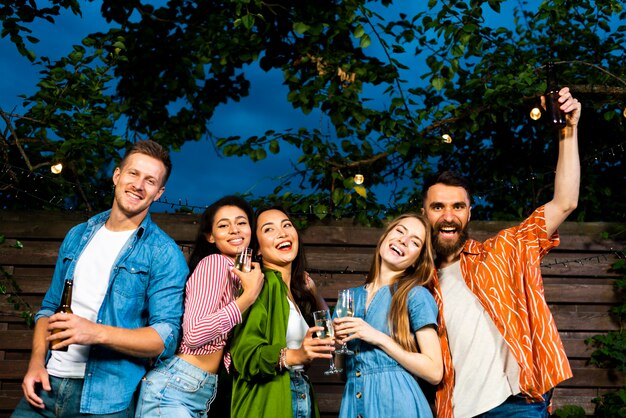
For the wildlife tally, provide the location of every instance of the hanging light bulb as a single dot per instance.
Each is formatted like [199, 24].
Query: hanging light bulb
[56, 168]
[535, 113]
[625, 112]
[359, 179]
[446, 138]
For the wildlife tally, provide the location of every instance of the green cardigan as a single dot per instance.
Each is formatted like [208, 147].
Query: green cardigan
[259, 388]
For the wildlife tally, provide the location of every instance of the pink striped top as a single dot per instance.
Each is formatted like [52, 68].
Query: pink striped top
[210, 308]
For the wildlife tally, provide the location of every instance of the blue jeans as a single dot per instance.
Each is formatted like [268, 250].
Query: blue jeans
[63, 401]
[300, 394]
[517, 406]
[176, 388]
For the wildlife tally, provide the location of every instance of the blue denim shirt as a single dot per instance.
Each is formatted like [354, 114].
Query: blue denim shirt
[145, 289]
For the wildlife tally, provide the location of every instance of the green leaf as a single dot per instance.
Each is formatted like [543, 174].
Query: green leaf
[359, 31]
[300, 27]
[248, 21]
[403, 148]
[438, 83]
[361, 191]
[495, 5]
[397, 102]
[365, 41]
[321, 211]
[337, 196]
[274, 146]
[260, 154]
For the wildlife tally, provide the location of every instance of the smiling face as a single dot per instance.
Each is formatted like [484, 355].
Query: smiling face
[278, 239]
[230, 231]
[448, 210]
[138, 183]
[402, 245]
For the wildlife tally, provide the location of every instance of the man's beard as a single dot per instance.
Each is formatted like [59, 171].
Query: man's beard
[446, 248]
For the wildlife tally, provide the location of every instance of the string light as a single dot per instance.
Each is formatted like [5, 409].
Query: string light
[56, 168]
[446, 138]
[606, 154]
[359, 179]
[625, 112]
[535, 113]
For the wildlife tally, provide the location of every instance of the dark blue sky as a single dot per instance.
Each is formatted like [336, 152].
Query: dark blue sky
[200, 175]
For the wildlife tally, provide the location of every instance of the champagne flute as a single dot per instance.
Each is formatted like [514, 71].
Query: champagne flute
[243, 260]
[345, 307]
[323, 319]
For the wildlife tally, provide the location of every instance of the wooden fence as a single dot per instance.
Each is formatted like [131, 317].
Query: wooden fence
[578, 286]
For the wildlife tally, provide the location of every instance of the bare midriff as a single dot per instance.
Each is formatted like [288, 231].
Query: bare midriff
[207, 362]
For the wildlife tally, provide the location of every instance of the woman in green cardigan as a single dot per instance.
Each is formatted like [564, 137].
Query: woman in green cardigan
[274, 343]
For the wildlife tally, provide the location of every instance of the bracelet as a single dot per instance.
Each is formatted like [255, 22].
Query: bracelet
[282, 359]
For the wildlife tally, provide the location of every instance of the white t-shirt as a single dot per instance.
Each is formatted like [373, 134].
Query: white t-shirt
[91, 281]
[296, 331]
[485, 370]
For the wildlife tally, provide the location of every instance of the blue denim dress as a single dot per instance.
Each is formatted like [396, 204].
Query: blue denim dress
[377, 385]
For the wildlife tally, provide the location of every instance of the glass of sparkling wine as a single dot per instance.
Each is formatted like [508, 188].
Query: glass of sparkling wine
[345, 307]
[243, 260]
[322, 319]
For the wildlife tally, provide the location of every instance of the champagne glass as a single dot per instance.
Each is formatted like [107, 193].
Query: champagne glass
[322, 319]
[243, 260]
[345, 307]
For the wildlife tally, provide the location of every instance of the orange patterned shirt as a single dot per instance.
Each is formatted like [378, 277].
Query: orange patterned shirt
[504, 273]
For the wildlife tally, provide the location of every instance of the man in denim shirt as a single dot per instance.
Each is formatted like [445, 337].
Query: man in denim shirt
[129, 278]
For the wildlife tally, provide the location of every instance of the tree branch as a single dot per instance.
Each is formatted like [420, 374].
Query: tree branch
[7, 120]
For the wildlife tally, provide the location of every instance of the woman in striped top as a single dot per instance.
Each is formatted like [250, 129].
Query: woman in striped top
[216, 296]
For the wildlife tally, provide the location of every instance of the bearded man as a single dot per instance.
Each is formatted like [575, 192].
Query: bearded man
[502, 352]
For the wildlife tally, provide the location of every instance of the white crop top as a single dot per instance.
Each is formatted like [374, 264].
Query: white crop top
[296, 331]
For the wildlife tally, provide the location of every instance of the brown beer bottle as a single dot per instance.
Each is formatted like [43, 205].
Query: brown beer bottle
[65, 306]
[555, 116]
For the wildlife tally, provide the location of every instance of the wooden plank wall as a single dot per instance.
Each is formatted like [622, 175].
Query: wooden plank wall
[578, 285]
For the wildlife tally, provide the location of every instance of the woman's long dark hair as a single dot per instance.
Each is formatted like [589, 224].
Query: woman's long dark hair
[305, 300]
[202, 246]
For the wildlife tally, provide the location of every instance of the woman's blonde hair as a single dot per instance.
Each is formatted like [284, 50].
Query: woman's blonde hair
[419, 273]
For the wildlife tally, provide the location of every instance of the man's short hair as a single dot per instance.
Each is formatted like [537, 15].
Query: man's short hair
[448, 178]
[154, 150]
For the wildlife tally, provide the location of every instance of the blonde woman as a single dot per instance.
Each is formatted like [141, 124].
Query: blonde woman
[394, 329]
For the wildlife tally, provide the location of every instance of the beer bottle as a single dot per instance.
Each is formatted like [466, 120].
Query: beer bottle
[65, 306]
[555, 116]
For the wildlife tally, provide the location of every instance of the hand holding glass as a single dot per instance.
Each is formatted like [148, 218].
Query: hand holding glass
[345, 307]
[243, 260]
[323, 320]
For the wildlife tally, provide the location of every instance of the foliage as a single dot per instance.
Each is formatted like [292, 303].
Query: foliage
[610, 351]
[611, 405]
[569, 411]
[71, 119]
[440, 67]
[18, 14]
[10, 289]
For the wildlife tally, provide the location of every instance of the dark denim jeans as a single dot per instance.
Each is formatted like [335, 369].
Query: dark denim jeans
[518, 407]
[63, 401]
